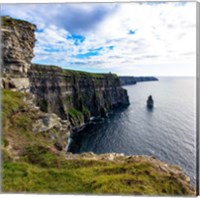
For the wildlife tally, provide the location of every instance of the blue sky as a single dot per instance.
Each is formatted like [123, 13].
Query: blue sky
[124, 38]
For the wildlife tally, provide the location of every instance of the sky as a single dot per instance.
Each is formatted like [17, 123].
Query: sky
[135, 39]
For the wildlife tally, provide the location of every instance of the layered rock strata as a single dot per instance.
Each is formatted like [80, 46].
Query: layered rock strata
[72, 93]
[17, 52]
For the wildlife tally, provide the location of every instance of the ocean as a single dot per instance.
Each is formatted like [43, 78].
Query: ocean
[168, 131]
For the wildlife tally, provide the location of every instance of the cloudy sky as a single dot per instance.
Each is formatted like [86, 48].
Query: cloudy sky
[124, 38]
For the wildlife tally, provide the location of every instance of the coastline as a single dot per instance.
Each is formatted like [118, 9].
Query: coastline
[44, 104]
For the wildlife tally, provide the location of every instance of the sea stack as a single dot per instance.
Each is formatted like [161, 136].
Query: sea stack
[150, 102]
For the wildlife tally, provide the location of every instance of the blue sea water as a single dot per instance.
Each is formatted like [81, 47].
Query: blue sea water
[168, 131]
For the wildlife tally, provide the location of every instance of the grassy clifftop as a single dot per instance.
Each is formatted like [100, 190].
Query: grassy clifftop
[76, 73]
[31, 163]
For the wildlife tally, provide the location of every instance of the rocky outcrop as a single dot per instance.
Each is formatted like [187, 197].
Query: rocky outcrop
[131, 80]
[57, 129]
[17, 52]
[75, 95]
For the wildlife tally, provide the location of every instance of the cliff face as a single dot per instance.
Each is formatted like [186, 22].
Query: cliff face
[17, 51]
[68, 93]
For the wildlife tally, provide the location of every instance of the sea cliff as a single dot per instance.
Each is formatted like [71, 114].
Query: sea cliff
[65, 91]
[131, 80]
[72, 95]
[41, 104]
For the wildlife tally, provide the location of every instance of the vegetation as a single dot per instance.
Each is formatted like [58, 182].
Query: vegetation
[43, 68]
[76, 117]
[51, 175]
[86, 114]
[74, 113]
[7, 21]
[79, 117]
[17, 125]
[32, 164]
[12, 103]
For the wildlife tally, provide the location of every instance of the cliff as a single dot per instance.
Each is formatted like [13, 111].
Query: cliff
[72, 95]
[67, 92]
[17, 52]
[127, 80]
[131, 80]
[145, 78]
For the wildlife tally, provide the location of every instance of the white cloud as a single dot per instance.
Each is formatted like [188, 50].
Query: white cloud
[164, 41]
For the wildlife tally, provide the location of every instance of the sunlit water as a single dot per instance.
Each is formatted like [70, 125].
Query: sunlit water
[167, 132]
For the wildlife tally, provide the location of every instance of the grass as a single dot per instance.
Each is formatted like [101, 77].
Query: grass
[74, 113]
[87, 176]
[17, 124]
[76, 117]
[7, 21]
[12, 102]
[32, 164]
[44, 68]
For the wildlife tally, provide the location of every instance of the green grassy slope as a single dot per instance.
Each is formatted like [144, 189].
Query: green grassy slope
[31, 163]
[43, 68]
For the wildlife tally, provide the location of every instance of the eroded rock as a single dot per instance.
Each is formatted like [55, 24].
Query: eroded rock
[18, 41]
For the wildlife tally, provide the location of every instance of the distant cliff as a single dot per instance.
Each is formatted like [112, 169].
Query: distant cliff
[131, 80]
[127, 80]
[145, 78]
